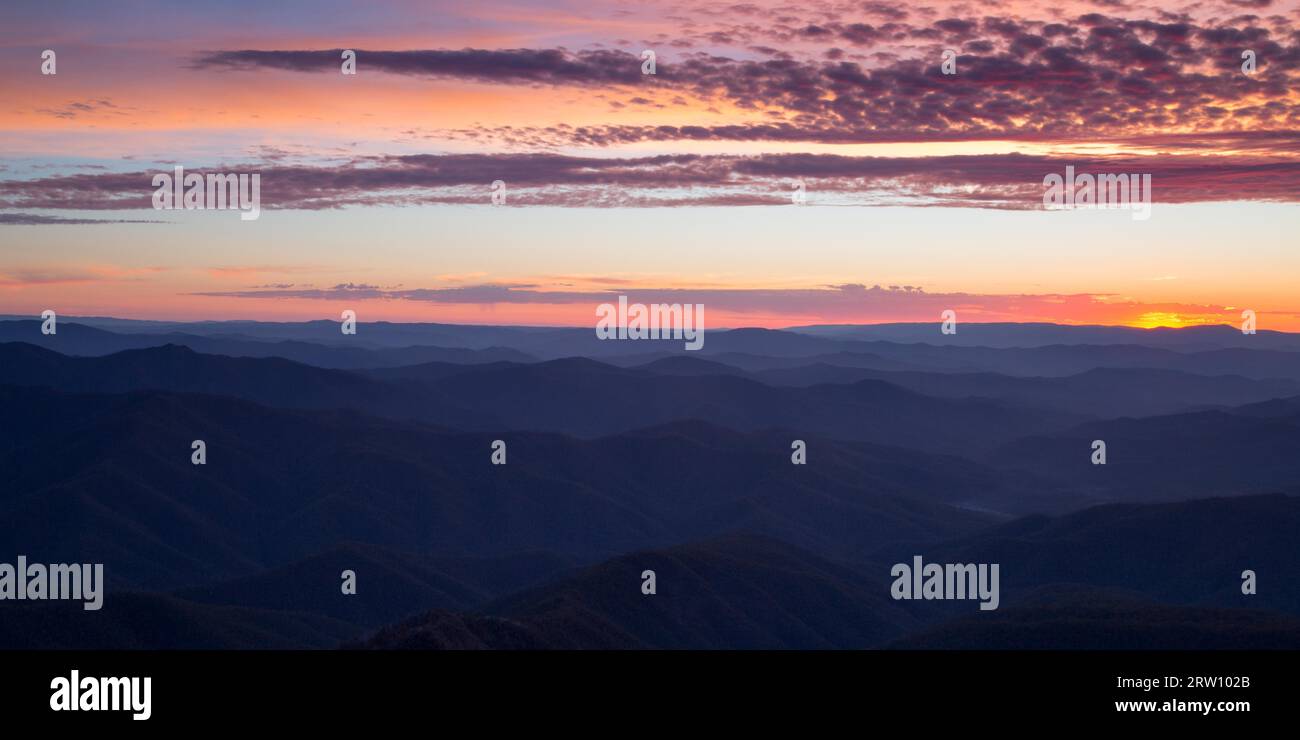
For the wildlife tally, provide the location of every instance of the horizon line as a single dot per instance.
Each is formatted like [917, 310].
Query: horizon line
[792, 327]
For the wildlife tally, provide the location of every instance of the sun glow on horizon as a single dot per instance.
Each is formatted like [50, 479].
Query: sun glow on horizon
[1163, 319]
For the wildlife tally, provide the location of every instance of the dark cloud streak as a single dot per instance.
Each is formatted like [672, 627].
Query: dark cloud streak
[992, 180]
[1094, 75]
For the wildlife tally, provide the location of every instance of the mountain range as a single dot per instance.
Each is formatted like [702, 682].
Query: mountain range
[374, 454]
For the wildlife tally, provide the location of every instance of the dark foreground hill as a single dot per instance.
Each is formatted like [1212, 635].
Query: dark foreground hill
[737, 592]
[148, 621]
[1088, 619]
[1119, 577]
[390, 583]
[1188, 552]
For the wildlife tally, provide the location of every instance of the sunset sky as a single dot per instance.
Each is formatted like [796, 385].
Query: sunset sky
[923, 190]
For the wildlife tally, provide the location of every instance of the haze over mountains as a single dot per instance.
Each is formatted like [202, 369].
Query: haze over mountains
[372, 453]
